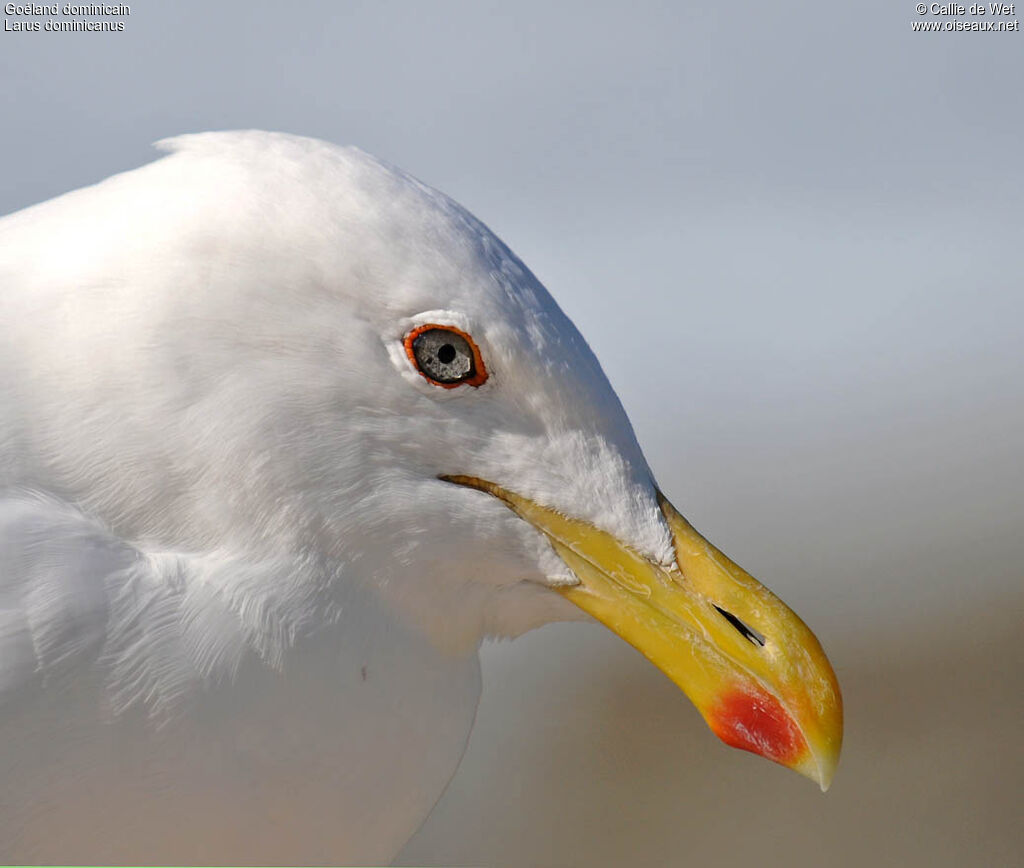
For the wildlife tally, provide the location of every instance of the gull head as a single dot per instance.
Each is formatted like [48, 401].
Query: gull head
[323, 355]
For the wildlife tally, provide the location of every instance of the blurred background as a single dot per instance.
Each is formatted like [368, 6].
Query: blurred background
[792, 232]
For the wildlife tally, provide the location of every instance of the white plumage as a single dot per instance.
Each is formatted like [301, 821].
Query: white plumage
[239, 612]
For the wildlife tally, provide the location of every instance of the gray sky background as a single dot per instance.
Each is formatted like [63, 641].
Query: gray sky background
[791, 231]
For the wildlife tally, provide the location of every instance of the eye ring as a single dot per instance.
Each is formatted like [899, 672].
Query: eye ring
[445, 356]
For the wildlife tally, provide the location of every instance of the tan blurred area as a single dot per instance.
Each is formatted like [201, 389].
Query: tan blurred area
[584, 754]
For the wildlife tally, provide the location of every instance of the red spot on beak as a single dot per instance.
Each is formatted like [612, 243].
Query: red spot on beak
[758, 723]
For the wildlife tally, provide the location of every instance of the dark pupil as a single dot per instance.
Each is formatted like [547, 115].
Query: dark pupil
[446, 354]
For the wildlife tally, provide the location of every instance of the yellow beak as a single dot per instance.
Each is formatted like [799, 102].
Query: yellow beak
[754, 670]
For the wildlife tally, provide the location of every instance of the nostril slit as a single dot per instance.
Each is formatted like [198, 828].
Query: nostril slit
[748, 633]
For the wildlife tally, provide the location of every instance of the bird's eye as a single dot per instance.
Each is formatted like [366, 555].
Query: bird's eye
[446, 356]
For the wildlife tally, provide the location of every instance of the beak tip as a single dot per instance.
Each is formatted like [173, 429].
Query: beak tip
[823, 777]
[821, 760]
[826, 769]
[756, 721]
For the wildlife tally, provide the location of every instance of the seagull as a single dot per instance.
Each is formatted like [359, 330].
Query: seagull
[285, 434]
